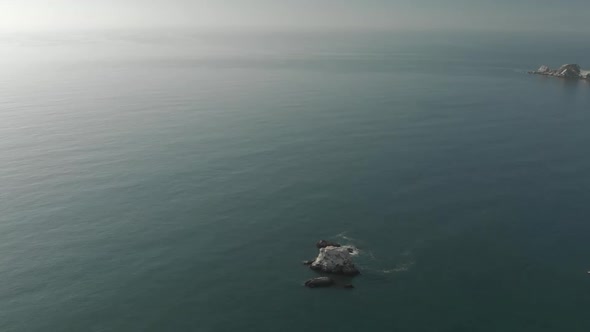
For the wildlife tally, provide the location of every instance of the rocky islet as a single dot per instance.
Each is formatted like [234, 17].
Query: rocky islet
[334, 259]
[569, 71]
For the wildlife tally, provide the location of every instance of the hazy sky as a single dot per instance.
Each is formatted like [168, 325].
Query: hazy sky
[566, 15]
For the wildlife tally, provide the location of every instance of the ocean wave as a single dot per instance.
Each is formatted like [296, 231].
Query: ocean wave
[344, 237]
[404, 267]
[406, 257]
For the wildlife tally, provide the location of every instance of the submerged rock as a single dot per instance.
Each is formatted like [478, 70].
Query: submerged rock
[307, 262]
[335, 260]
[319, 282]
[324, 243]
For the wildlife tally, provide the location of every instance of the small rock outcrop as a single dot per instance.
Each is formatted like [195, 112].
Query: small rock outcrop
[335, 260]
[543, 69]
[566, 71]
[324, 243]
[319, 282]
[570, 71]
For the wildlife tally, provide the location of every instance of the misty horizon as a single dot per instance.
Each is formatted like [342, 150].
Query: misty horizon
[424, 15]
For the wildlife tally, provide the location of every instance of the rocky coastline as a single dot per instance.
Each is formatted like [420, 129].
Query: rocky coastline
[568, 71]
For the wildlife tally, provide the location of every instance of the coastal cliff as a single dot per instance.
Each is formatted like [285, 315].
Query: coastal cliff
[570, 71]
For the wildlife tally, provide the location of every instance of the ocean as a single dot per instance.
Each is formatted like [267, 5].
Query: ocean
[174, 181]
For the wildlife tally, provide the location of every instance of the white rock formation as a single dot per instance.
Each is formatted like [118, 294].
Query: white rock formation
[335, 260]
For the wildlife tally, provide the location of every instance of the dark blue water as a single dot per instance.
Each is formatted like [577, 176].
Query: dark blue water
[175, 182]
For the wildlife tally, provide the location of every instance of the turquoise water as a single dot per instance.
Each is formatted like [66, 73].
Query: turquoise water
[176, 182]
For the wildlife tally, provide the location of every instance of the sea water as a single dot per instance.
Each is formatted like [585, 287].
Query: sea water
[174, 181]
